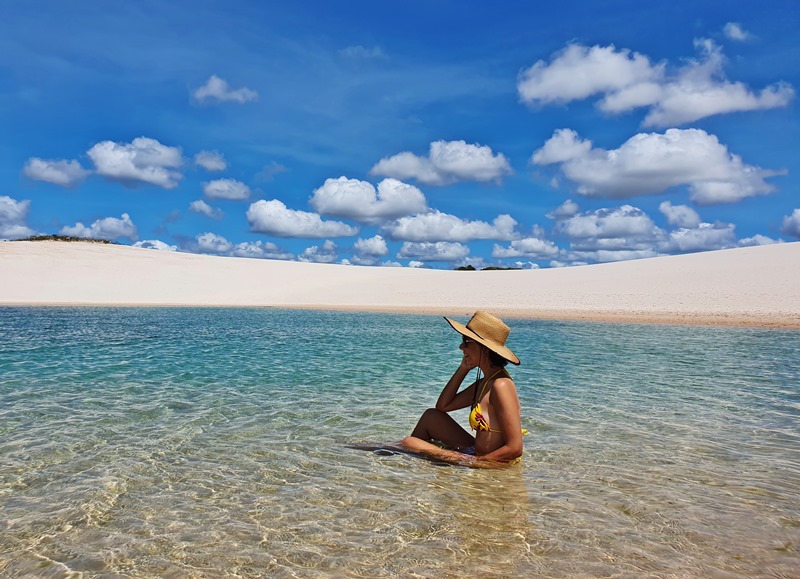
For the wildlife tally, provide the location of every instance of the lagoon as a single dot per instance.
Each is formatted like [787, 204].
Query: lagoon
[213, 442]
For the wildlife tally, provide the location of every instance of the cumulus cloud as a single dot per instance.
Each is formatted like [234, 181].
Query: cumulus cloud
[143, 160]
[274, 218]
[446, 163]
[359, 200]
[369, 251]
[261, 250]
[59, 172]
[680, 215]
[700, 90]
[204, 208]
[578, 72]
[564, 145]
[628, 80]
[325, 253]
[530, 247]
[216, 244]
[734, 31]
[626, 232]
[13, 215]
[438, 251]
[226, 189]
[155, 244]
[624, 227]
[567, 209]
[650, 163]
[704, 237]
[216, 90]
[791, 224]
[108, 228]
[757, 239]
[210, 161]
[438, 226]
[212, 243]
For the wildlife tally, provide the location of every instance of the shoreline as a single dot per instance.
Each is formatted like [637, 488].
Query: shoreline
[745, 287]
[733, 319]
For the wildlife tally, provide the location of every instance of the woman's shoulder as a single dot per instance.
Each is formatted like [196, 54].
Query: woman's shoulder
[502, 383]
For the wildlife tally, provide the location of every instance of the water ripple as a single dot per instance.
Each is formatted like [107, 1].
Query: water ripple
[211, 442]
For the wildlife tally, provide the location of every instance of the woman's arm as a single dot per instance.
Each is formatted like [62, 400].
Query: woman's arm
[451, 399]
[506, 411]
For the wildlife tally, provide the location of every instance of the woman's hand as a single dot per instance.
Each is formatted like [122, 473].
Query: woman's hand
[467, 363]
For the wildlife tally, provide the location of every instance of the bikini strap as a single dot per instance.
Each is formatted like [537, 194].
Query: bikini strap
[485, 382]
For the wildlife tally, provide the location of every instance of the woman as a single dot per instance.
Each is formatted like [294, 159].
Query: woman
[495, 414]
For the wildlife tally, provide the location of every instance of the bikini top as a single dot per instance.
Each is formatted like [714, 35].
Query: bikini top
[477, 421]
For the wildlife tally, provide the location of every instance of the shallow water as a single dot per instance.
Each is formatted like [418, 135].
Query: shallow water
[182, 442]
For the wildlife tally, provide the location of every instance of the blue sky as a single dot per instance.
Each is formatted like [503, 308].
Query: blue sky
[419, 134]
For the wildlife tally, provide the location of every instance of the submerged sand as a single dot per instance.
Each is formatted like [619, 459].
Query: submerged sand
[752, 286]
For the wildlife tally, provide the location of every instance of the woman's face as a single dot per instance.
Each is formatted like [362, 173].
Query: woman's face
[471, 350]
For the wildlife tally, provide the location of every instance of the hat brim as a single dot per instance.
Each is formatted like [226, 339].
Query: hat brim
[498, 349]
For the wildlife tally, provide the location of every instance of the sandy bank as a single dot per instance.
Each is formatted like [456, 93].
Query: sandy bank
[754, 286]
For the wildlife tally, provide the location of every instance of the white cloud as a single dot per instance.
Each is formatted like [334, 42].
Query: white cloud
[734, 31]
[609, 255]
[628, 81]
[261, 250]
[680, 215]
[325, 253]
[210, 161]
[446, 163]
[530, 247]
[155, 244]
[226, 189]
[757, 239]
[212, 243]
[578, 72]
[354, 199]
[791, 224]
[704, 237]
[567, 209]
[142, 161]
[13, 214]
[622, 229]
[369, 251]
[217, 90]
[563, 146]
[650, 163]
[108, 228]
[204, 208]
[700, 91]
[60, 172]
[439, 251]
[437, 226]
[273, 218]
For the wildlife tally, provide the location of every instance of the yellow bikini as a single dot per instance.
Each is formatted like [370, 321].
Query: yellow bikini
[477, 421]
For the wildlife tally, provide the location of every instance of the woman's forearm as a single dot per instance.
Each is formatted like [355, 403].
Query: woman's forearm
[445, 403]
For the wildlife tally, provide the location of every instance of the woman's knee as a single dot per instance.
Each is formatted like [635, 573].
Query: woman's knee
[432, 413]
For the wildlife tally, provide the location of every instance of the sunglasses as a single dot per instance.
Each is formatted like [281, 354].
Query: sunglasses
[466, 341]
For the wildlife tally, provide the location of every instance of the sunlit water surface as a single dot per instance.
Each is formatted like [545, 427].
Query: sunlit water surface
[213, 442]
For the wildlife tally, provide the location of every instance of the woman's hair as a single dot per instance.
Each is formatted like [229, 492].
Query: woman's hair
[496, 359]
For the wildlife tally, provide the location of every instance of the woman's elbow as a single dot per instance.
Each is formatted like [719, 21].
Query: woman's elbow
[514, 449]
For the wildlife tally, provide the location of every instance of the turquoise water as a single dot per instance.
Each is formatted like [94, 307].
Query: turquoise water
[186, 442]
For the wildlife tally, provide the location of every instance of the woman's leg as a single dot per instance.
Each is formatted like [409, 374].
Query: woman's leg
[436, 425]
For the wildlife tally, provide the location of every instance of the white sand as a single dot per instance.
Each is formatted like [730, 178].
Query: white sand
[757, 286]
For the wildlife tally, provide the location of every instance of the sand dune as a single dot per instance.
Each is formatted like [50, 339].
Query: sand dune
[757, 286]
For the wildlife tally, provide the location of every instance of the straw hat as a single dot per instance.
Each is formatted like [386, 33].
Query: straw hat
[488, 330]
